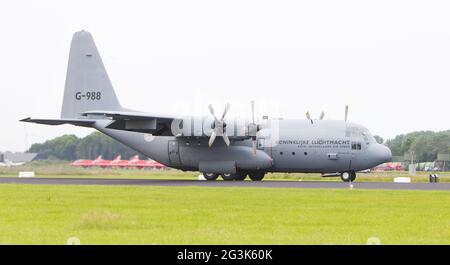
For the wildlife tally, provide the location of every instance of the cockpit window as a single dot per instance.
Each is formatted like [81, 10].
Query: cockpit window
[359, 132]
[353, 131]
[368, 137]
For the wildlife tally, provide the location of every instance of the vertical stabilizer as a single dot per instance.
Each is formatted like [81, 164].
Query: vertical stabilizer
[87, 85]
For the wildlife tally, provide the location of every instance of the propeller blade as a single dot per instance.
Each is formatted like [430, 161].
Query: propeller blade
[308, 116]
[322, 115]
[226, 139]
[253, 111]
[212, 138]
[346, 112]
[254, 146]
[211, 110]
[227, 107]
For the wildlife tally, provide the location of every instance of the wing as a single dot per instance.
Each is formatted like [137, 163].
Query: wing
[133, 121]
[158, 125]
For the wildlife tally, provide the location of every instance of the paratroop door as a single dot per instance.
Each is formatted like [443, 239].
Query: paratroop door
[174, 153]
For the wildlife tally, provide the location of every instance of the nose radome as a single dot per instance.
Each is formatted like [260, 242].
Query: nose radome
[388, 154]
[379, 154]
[383, 153]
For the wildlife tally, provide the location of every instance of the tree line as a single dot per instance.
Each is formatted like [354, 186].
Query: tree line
[71, 147]
[425, 144]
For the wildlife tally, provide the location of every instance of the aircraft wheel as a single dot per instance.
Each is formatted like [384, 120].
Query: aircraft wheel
[348, 176]
[257, 175]
[227, 176]
[240, 176]
[353, 175]
[210, 176]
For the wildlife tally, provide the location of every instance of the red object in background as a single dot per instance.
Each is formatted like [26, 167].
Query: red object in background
[118, 162]
[139, 164]
[99, 162]
[393, 166]
[390, 166]
[82, 163]
[154, 164]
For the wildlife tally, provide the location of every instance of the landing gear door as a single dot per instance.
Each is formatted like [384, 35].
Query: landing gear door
[260, 144]
[344, 160]
[174, 153]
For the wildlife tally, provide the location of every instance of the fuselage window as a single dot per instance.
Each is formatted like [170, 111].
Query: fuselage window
[356, 146]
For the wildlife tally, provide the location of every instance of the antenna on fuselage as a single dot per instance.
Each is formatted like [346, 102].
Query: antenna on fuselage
[253, 128]
[346, 112]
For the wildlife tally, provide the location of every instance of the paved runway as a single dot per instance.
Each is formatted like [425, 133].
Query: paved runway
[264, 184]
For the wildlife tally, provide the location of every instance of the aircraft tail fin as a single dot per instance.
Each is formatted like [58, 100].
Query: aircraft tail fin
[87, 85]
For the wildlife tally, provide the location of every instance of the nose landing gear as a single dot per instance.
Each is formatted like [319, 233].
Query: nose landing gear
[348, 176]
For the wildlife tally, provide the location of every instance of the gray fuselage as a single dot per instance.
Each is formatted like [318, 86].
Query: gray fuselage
[289, 145]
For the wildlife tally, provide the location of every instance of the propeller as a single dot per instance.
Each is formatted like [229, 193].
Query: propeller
[219, 126]
[253, 127]
[308, 116]
[346, 112]
[322, 115]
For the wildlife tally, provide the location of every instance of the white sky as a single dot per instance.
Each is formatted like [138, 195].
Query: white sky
[389, 60]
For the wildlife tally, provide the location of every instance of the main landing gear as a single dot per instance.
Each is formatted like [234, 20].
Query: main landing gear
[348, 176]
[238, 176]
[210, 176]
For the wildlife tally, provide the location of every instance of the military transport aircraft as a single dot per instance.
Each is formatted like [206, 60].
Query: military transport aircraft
[249, 148]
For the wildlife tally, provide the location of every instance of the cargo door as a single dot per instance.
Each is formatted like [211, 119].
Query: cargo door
[174, 153]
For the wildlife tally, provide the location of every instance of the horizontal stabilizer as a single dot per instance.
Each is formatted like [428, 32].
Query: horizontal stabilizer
[77, 122]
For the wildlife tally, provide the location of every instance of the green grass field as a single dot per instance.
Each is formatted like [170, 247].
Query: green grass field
[41, 214]
[61, 169]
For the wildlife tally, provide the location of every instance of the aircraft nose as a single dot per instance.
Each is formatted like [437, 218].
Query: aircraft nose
[382, 153]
